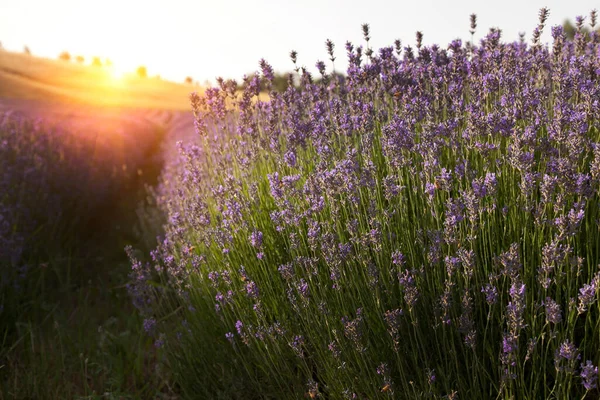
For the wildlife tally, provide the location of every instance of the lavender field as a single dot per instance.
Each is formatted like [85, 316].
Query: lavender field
[424, 224]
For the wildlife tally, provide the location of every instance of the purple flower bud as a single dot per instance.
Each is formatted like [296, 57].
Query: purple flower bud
[252, 289]
[150, 326]
[320, 67]
[398, 259]
[491, 293]
[239, 327]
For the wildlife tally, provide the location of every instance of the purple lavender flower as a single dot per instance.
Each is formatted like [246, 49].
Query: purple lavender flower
[589, 374]
[431, 376]
[508, 357]
[150, 326]
[320, 65]
[256, 239]
[587, 296]
[491, 293]
[334, 349]
[252, 290]
[516, 307]
[452, 264]
[160, 342]
[303, 288]
[286, 271]
[313, 389]
[354, 330]
[510, 262]
[214, 278]
[398, 259]
[297, 344]
[430, 190]
[267, 70]
[239, 327]
[553, 311]
[290, 158]
[509, 344]
[411, 293]
[565, 356]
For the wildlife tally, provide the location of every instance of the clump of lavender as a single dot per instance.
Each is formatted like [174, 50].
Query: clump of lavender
[434, 210]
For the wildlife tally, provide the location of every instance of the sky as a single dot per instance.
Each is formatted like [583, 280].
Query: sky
[227, 38]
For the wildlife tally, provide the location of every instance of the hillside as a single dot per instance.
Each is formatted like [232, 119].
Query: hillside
[24, 76]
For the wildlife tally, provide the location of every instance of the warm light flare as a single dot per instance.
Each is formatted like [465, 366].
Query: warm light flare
[117, 72]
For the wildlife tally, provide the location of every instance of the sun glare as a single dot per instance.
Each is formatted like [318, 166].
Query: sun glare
[117, 72]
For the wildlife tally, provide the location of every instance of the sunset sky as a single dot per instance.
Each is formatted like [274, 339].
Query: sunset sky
[206, 39]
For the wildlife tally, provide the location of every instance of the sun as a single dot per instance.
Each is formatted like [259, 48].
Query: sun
[118, 72]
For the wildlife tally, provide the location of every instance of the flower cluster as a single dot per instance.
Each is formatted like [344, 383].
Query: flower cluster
[434, 203]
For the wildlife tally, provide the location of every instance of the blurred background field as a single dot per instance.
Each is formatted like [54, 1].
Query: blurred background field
[93, 142]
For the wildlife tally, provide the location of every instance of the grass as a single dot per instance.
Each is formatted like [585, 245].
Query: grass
[77, 334]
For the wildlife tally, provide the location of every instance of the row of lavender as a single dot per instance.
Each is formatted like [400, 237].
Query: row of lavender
[426, 226]
[52, 182]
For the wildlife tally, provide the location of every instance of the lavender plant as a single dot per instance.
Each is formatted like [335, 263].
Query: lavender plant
[426, 227]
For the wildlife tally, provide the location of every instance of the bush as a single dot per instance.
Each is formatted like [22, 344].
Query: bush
[427, 227]
[65, 56]
[141, 72]
[96, 62]
[80, 59]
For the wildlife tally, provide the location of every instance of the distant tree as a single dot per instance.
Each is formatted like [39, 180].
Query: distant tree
[65, 56]
[189, 80]
[96, 62]
[141, 72]
[108, 62]
[27, 50]
[280, 82]
[80, 59]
